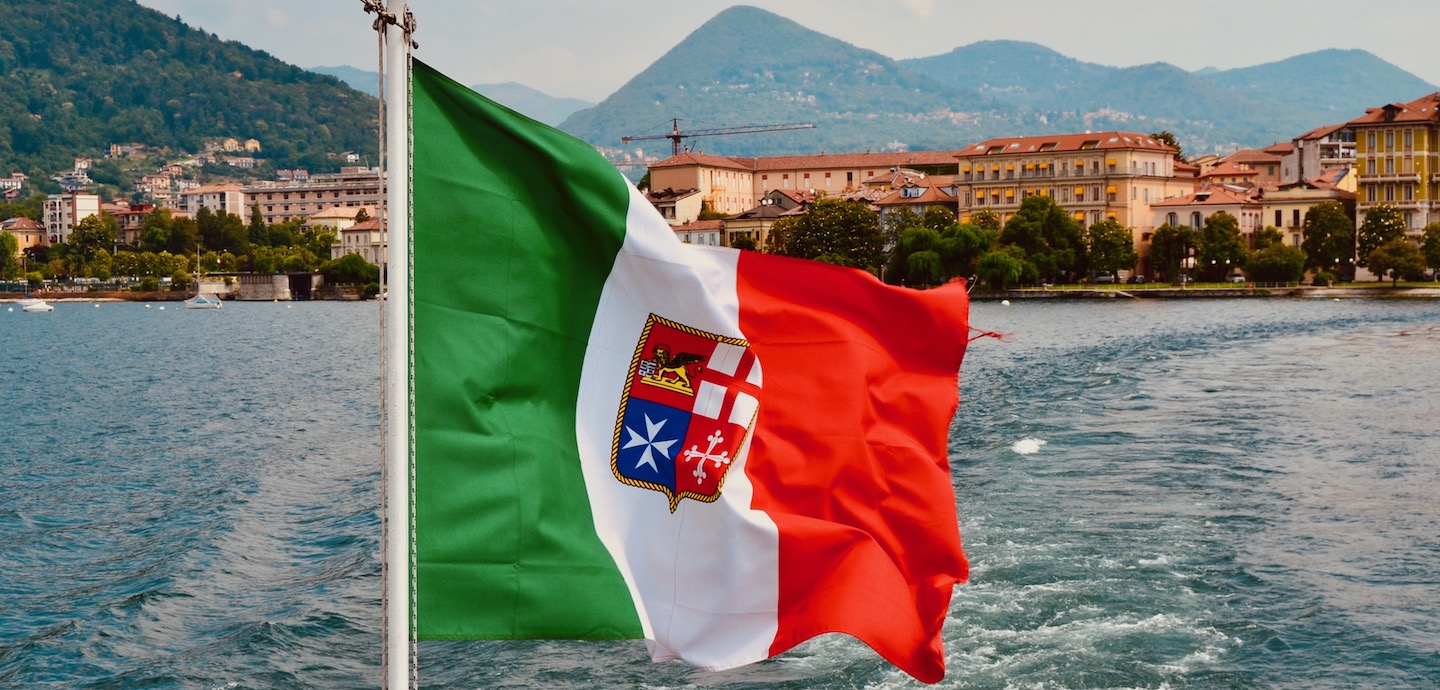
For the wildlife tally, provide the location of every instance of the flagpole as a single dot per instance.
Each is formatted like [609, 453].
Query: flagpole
[398, 615]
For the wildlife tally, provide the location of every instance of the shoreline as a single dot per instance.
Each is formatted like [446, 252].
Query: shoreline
[1303, 292]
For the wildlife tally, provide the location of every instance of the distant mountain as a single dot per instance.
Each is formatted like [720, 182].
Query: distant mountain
[358, 79]
[1342, 83]
[536, 104]
[79, 75]
[1014, 69]
[749, 67]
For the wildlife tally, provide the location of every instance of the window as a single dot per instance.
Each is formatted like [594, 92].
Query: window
[1389, 166]
[1409, 140]
[1369, 141]
[1295, 218]
[1279, 217]
[1389, 141]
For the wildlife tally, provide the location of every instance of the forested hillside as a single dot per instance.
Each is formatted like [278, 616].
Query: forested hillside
[78, 75]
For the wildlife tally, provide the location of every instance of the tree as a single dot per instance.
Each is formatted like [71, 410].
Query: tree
[834, 231]
[987, 220]
[1328, 237]
[1399, 258]
[1430, 247]
[1051, 239]
[1168, 139]
[1382, 224]
[1111, 247]
[1276, 263]
[1002, 267]
[9, 259]
[351, 269]
[90, 235]
[1220, 246]
[258, 231]
[1170, 248]
[1268, 236]
[745, 242]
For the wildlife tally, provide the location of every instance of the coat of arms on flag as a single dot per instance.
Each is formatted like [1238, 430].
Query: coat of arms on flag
[689, 402]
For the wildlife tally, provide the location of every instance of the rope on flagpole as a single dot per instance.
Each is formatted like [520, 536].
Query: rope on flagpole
[408, 676]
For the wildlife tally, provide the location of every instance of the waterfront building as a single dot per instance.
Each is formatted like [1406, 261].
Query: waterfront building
[28, 233]
[736, 185]
[1320, 150]
[704, 232]
[919, 194]
[363, 238]
[303, 196]
[60, 213]
[676, 206]
[1284, 206]
[1397, 150]
[227, 197]
[774, 205]
[724, 185]
[1092, 176]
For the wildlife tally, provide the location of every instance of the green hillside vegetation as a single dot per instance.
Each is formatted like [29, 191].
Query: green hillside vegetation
[1018, 70]
[78, 75]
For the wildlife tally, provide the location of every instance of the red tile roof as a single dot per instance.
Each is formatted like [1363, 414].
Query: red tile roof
[701, 159]
[1209, 196]
[1322, 132]
[1065, 143]
[700, 226]
[1423, 109]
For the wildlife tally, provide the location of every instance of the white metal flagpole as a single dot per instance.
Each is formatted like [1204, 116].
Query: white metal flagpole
[398, 616]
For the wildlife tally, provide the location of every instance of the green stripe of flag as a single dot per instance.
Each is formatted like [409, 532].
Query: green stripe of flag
[516, 226]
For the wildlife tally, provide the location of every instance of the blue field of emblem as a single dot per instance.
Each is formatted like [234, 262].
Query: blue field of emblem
[650, 438]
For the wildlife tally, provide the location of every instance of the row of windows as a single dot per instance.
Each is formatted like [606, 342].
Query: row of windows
[1406, 140]
[1390, 192]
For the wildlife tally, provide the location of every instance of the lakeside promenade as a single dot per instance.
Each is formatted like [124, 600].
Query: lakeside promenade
[1208, 291]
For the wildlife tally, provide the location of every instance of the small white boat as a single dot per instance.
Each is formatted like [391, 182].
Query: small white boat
[36, 305]
[203, 302]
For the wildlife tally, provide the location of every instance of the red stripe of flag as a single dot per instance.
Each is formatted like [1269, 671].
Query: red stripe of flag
[849, 452]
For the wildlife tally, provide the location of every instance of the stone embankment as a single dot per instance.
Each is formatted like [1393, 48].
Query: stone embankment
[1340, 292]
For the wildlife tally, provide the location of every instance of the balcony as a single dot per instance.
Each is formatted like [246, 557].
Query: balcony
[1381, 178]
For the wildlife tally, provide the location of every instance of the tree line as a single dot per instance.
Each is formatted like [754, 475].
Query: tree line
[178, 247]
[1042, 243]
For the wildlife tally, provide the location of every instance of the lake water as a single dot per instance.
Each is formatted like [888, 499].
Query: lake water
[1196, 494]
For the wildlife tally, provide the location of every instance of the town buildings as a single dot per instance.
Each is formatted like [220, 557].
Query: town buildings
[302, 196]
[60, 213]
[1397, 149]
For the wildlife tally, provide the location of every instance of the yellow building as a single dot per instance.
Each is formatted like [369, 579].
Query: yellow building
[1093, 176]
[1397, 149]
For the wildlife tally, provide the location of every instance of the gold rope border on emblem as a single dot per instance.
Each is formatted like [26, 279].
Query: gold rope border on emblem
[674, 498]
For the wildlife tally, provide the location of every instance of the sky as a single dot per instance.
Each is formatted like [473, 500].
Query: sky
[589, 49]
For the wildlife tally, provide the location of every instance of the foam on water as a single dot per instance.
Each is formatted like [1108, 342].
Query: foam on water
[1213, 494]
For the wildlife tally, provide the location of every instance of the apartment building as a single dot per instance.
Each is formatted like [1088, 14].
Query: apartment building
[1320, 150]
[60, 213]
[1092, 176]
[301, 197]
[228, 197]
[723, 184]
[1397, 150]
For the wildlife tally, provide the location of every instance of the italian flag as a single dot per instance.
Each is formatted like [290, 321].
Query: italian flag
[617, 435]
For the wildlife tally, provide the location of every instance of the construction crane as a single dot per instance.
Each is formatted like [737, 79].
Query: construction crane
[676, 136]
